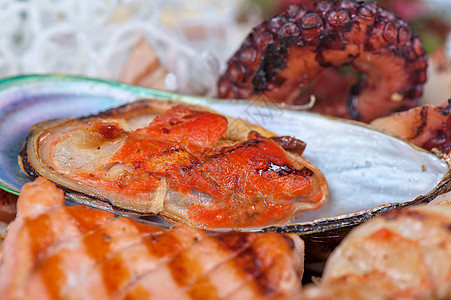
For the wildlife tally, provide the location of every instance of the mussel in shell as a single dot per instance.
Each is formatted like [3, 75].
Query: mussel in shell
[368, 172]
[181, 162]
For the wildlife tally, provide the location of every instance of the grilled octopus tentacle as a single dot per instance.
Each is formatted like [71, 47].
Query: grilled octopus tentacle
[285, 53]
[426, 126]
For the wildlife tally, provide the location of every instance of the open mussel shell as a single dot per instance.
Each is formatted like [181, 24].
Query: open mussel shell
[368, 172]
[64, 150]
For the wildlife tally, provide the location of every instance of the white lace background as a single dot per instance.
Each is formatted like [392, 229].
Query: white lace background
[193, 38]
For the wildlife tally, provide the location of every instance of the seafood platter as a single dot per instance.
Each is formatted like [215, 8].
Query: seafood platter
[128, 192]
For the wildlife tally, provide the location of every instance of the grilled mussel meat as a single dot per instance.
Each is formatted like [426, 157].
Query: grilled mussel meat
[181, 162]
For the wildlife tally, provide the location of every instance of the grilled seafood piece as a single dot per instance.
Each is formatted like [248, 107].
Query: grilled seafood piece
[186, 164]
[403, 254]
[7, 206]
[285, 53]
[427, 126]
[53, 251]
[7, 211]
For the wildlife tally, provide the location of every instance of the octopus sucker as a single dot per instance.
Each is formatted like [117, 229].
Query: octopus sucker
[286, 53]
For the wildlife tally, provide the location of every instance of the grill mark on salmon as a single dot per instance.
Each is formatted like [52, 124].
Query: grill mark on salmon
[223, 271]
[196, 262]
[94, 245]
[120, 258]
[165, 253]
[271, 271]
[88, 220]
[64, 230]
[53, 276]
[125, 235]
[43, 234]
[72, 253]
[252, 265]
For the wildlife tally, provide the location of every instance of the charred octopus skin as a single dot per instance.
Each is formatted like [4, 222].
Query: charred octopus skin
[426, 126]
[284, 54]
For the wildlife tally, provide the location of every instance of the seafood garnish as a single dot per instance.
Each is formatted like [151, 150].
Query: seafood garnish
[427, 126]
[403, 254]
[183, 165]
[285, 53]
[54, 251]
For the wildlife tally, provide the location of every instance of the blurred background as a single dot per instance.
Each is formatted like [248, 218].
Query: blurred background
[170, 44]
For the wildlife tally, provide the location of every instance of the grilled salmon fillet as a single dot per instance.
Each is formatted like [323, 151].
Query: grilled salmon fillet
[54, 251]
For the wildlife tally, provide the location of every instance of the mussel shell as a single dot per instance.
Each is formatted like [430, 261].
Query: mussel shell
[37, 159]
[369, 170]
